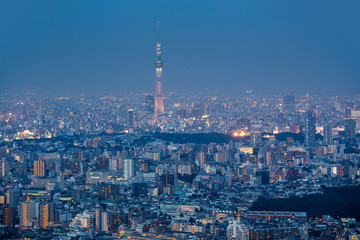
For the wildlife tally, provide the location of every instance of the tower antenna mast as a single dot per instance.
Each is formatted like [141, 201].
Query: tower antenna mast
[158, 30]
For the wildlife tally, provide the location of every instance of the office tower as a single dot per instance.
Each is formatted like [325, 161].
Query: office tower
[129, 168]
[39, 168]
[310, 129]
[328, 137]
[149, 104]
[131, 118]
[8, 217]
[159, 106]
[350, 136]
[289, 103]
[13, 197]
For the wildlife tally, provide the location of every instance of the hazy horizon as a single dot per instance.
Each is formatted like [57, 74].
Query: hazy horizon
[59, 47]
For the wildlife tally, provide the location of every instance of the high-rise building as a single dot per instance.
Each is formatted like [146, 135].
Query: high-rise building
[347, 112]
[328, 137]
[44, 216]
[255, 138]
[310, 129]
[202, 158]
[289, 103]
[98, 219]
[8, 217]
[4, 167]
[40, 168]
[105, 221]
[115, 164]
[149, 104]
[131, 118]
[159, 105]
[265, 177]
[166, 180]
[129, 168]
[13, 197]
[47, 214]
[350, 136]
[355, 114]
[27, 214]
[268, 158]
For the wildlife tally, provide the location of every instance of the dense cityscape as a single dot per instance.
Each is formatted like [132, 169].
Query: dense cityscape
[211, 159]
[105, 167]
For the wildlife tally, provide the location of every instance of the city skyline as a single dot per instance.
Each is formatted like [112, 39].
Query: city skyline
[159, 105]
[84, 48]
[253, 134]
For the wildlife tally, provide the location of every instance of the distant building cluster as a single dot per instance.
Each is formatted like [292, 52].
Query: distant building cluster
[81, 167]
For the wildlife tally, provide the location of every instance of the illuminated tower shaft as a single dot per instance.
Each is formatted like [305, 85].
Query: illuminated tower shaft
[159, 105]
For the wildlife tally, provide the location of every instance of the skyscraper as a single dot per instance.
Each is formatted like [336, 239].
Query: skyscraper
[149, 104]
[310, 128]
[159, 106]
[350, 136]
[289, 103]
[131, 117]
[328, 138]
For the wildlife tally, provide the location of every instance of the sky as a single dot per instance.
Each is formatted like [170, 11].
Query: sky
[85, 46]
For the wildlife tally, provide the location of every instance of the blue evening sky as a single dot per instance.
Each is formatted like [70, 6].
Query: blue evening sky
[60, 46]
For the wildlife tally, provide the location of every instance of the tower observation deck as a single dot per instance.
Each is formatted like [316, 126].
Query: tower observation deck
[159, 105]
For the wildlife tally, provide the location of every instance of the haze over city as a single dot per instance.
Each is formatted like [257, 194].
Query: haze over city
[108, 46]
[179, 120]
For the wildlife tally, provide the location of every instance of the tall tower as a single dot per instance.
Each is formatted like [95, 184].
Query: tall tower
[159, 105]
